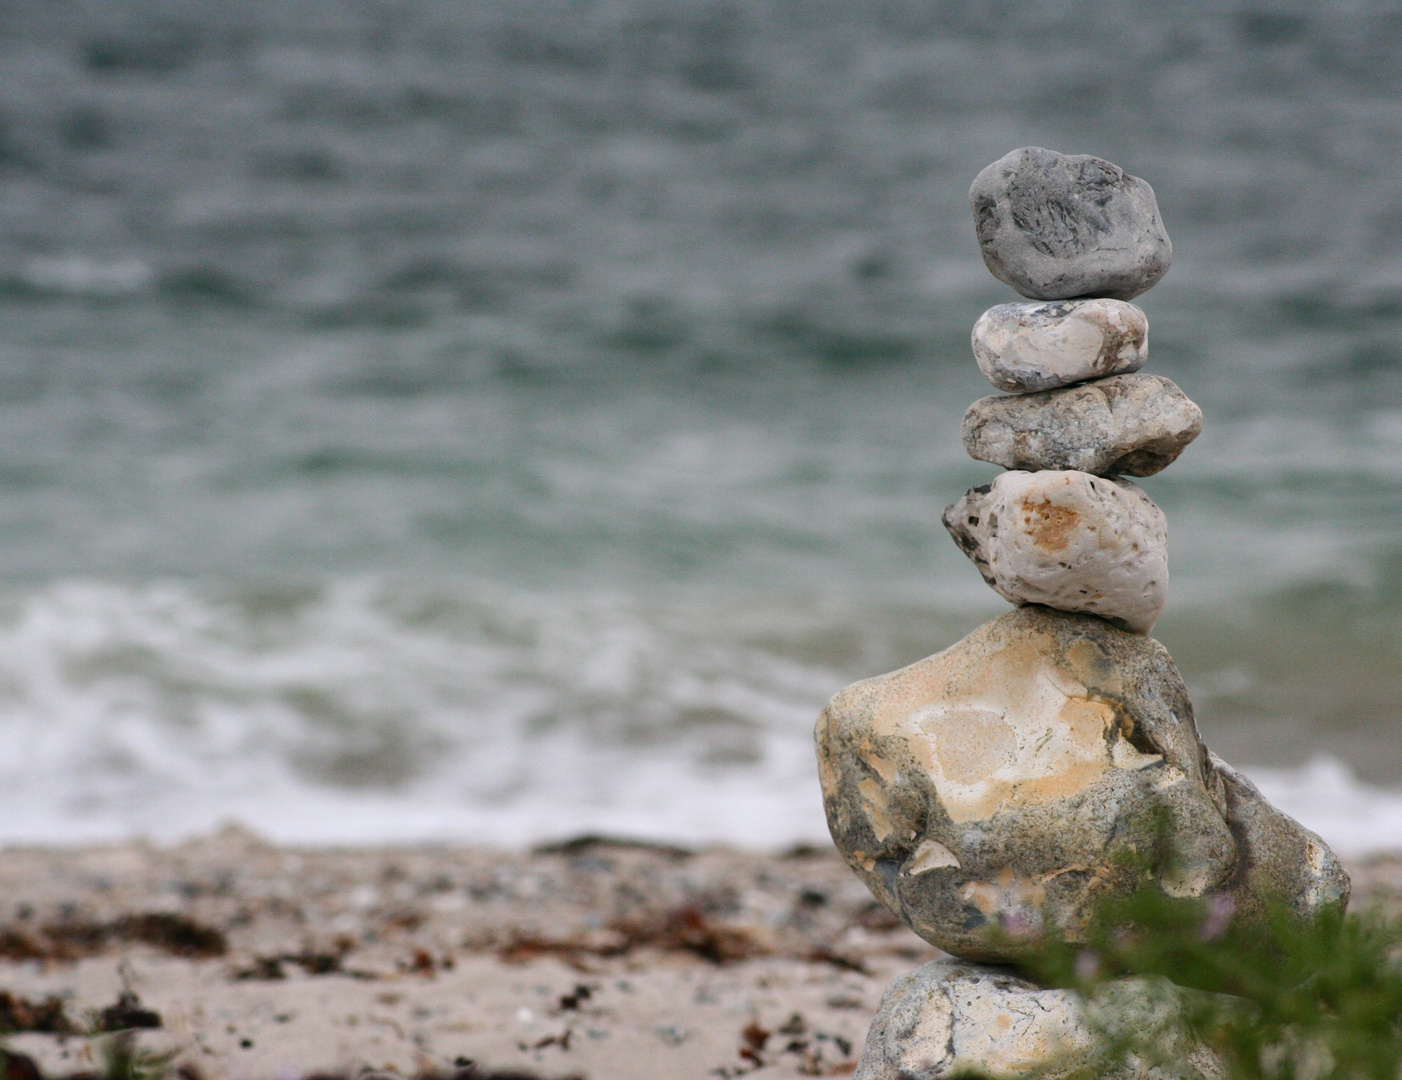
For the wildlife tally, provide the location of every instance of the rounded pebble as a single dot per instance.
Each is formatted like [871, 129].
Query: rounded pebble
[1055, 226]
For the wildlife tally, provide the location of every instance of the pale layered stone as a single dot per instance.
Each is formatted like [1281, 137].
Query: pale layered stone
[996, 792]
[1130, 425]
[950, 1018]
[1070, 540]
[1055, 226]
[1022, 348]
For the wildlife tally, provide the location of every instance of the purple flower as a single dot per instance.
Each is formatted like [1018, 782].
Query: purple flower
[1220, 909]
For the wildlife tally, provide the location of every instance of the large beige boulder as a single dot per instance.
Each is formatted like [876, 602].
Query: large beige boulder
[994, 792]
[1070, 540]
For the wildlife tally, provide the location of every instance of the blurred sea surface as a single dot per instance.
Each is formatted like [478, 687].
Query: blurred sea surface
[504, 420]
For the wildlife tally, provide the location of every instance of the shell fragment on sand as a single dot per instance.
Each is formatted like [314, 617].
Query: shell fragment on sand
[950, 1018]
[1069, 540]
[1055, 226]
[1130, 425]
[992, 794]
[1022, 348]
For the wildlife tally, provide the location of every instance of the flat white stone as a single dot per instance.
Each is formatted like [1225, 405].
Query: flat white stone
[1021, 348]
[1131, 425]
[1069, 540]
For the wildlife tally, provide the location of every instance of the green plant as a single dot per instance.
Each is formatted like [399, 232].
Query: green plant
[123, 1059]
[1276, 998]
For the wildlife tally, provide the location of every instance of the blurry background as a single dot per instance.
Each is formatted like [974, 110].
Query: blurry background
[497, 420]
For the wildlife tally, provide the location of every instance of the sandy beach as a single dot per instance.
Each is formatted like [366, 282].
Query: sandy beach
[594, 959]
[232, 957]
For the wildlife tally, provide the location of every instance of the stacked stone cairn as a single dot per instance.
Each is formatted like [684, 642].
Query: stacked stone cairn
[993, 794]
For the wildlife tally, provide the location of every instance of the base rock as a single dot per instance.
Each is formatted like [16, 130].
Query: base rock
[992, 794]
[949, 1018]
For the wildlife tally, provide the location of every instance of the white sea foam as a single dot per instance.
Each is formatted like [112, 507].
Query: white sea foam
[369, 710]
[361, 712]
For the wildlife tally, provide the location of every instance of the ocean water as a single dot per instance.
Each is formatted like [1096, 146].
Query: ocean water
[502, 421]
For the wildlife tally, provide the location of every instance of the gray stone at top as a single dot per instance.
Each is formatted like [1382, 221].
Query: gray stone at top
[1056, 226]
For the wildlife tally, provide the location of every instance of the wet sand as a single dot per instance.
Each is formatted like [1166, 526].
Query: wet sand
[595, 959]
